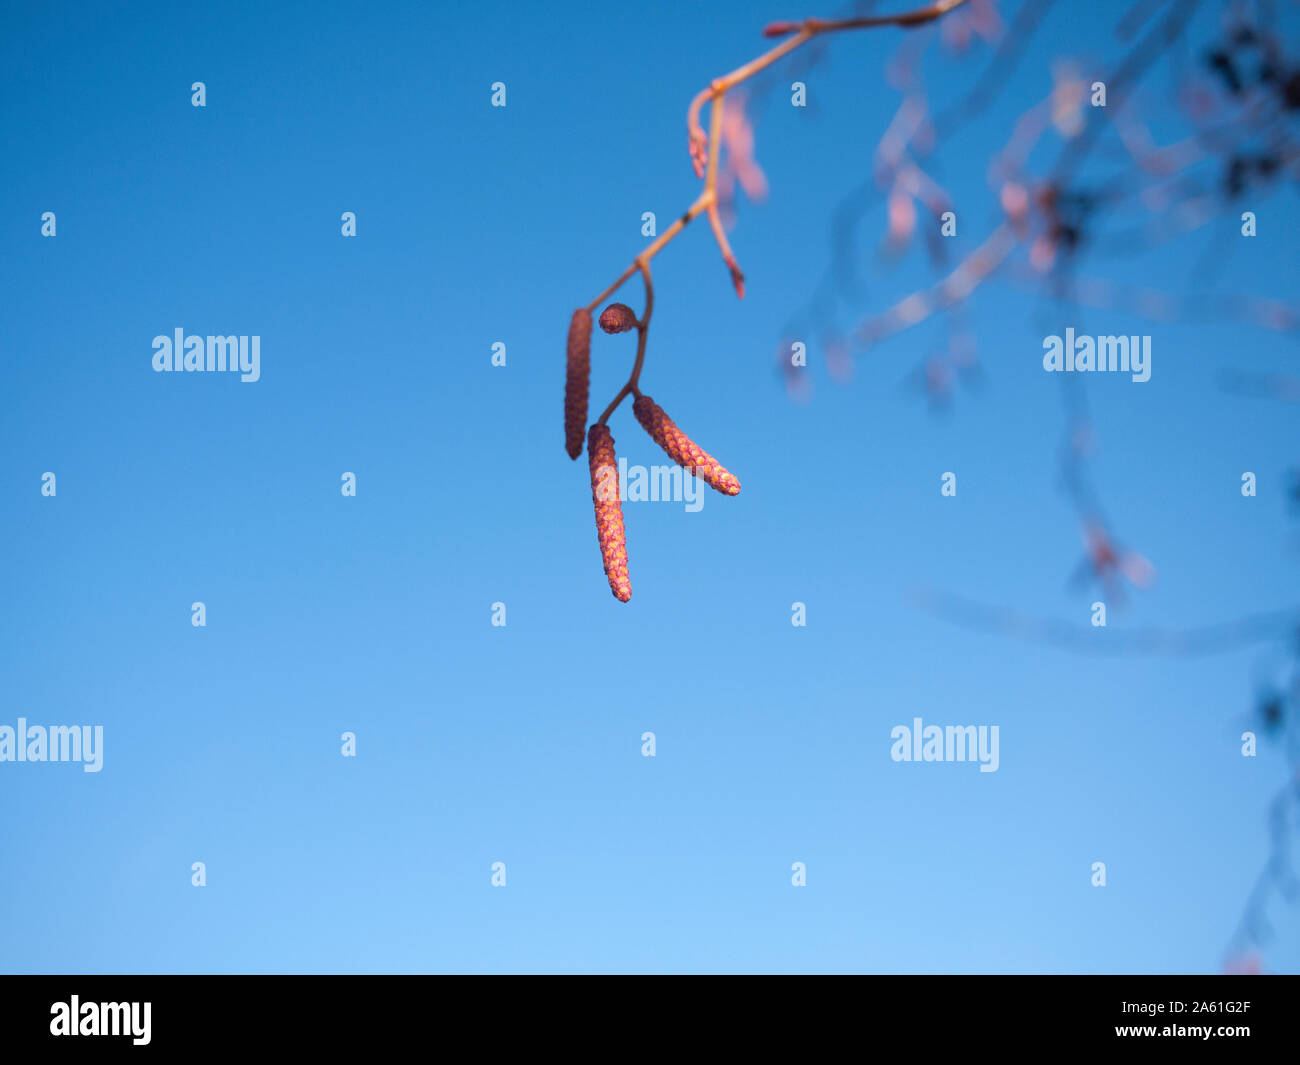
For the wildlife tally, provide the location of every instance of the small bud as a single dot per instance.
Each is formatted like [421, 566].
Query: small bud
[779, 29]
[617, 318]
[577, 381]
[1015, 200]
[737, 279]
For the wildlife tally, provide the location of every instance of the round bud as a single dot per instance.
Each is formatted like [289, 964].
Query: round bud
[617, 318]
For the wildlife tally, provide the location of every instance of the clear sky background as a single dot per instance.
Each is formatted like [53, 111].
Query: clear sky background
[522, 744]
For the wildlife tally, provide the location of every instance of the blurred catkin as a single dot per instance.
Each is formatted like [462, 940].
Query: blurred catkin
[609, 510]
[577, 381]
[681, 449]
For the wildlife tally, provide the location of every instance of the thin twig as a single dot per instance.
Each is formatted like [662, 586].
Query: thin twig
[704, 151]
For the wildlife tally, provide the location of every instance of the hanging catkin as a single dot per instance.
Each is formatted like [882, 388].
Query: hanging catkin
[681, 449]
[577, 380]
[609, 510]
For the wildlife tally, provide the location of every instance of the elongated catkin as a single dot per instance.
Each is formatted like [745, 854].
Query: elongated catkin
[609, 510]
[577, 381]
[681, 449]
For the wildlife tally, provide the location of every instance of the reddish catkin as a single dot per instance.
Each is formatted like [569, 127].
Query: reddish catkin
[609, 510]
[617, 318]
[681, 449]
[577, 381]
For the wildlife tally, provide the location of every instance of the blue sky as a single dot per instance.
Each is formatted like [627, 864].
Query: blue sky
[479, 744]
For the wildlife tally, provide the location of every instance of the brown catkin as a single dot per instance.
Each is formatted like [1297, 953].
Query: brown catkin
[681, 449]
[617, 318]
[577, 380]
[609, 510]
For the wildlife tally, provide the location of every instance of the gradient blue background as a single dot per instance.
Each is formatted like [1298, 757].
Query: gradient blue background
[479, 744]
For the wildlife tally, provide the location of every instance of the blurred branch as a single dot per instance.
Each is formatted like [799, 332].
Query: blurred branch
[1173, 643]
